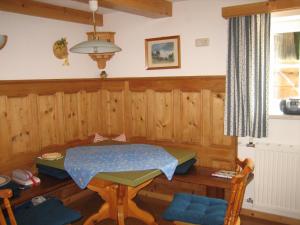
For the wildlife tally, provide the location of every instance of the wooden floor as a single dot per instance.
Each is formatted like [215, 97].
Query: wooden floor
[91, 205]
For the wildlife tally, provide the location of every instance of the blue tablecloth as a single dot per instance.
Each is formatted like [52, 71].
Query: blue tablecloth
[84, 162]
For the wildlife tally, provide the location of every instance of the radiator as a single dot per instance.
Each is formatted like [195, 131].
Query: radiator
[277, 179]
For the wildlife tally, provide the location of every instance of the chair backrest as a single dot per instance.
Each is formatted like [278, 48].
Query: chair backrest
[5, 194]
[238, 186]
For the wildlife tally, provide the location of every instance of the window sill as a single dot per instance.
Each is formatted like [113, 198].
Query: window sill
[284, 117]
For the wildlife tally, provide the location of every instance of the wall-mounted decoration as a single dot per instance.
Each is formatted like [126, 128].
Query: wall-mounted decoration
[60, 50]
[3, 40]
[162, 52]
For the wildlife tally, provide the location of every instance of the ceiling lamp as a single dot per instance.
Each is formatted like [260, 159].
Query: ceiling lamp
[3, 40]
[100, 45]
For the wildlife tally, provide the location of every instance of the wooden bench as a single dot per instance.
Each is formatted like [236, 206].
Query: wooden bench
[66, 190]
[197, 181]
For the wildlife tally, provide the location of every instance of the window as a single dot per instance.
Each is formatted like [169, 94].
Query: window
[285, 62]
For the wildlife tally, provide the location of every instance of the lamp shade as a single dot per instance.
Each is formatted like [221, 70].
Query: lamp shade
[95, 47]
[3, 39]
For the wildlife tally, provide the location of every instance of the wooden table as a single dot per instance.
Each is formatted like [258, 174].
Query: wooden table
[119, 188]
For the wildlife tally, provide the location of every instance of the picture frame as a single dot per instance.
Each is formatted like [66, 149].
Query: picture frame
[163, 52]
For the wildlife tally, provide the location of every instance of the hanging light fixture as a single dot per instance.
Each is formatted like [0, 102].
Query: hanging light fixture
[3, 40]
[95, 46]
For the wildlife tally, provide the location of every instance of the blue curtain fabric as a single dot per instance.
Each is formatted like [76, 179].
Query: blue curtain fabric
[247, 76]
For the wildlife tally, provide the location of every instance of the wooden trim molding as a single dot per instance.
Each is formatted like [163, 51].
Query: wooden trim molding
[152, 9]
[21, 88]
[260, 7]
[39, 9]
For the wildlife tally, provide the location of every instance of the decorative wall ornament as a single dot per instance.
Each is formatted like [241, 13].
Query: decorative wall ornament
[162, 52]
[60, 50]
[3, 40]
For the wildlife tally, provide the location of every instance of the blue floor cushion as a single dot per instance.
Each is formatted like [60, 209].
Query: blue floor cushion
[196, 209]
[50, 212]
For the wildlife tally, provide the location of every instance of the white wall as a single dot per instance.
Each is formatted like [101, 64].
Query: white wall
[191, 19]
[28, 52]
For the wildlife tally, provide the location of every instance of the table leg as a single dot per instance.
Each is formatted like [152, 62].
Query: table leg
[134, 211]
[118, 203]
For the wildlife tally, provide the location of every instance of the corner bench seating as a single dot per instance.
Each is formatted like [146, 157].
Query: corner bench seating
[198, 180]
[66, 190]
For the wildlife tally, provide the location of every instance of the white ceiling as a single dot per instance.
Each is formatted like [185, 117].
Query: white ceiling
[83, 6]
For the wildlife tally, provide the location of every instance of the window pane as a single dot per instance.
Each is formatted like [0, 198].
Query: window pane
[286, 83]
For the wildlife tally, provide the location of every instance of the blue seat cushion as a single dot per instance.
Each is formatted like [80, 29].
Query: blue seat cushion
[50, 212]
[184, 167]
[196, 209]
[53, 172]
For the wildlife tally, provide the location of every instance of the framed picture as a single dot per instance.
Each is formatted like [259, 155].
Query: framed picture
[162, 52]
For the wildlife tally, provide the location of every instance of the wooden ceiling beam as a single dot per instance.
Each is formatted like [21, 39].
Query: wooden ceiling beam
[32, 8]
[260, 7]
[148, 8]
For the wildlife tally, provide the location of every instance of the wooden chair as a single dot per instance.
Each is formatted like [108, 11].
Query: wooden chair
[188, 209]
[50, 212]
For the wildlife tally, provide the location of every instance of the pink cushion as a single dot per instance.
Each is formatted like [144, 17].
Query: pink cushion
[99, 138]
[121, 138]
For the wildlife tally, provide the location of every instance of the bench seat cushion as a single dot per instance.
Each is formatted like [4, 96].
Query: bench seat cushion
[53, 172]
[184, 167]
[196, 209]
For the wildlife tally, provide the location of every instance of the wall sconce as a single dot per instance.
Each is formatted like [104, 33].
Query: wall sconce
[3, 40]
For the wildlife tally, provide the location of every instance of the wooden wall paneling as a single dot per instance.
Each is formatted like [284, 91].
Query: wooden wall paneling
[163, 115]
[218, 137]
[151, 107]
[105, 128]
[70, 108]
[82, 114]
[206, 118]
[47, 115]
[193, 83]
[181, 112]
[127, 111]
[5, 139]
[112, 112]
[60, 117]
[116, 114]
[23, 121]
[94, 112]
[138, 115]
[33, 121]
[219, 157]
[177, 111]
[191, 123]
